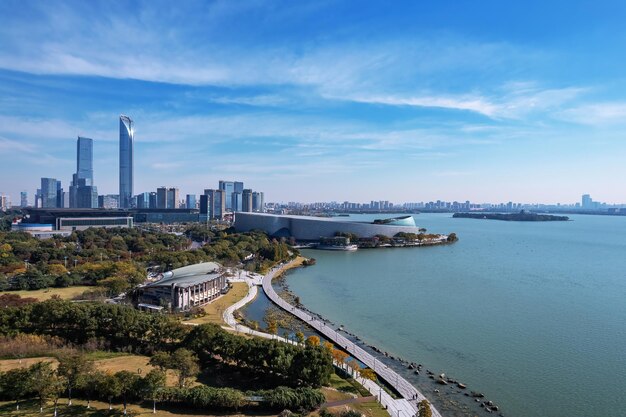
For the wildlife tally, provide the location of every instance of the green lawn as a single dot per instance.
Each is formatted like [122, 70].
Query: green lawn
[215, 309]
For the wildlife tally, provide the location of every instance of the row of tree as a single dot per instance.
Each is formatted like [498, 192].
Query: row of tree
[307, 365]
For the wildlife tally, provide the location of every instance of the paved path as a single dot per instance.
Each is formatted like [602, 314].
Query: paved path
[406, 407]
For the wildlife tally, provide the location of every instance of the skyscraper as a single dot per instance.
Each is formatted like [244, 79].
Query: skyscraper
[190, 201]
[587, 202]
[161, 197]
[83, 194]
[216, 203]
[246, 201]
[23, 199]
[127, 136]
[84, 159]
[228, 187]
[236, 202]
[48, 192]
[172, 198]
[257, 202]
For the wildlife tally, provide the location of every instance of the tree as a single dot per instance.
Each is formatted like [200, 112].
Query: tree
[128, 382]
[340, 357]
[423, 409]
[367, 373]
[89, 383]
[185, 364]
[72, 367]
[354, 365]
[272, 327]
[300, 337]
[313, 341]
[151, 386]
[161, 360]
[16, 384]
[109, 387]
[42, 381]
[329, 347]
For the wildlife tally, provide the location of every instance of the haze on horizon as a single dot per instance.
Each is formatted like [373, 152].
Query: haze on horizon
[318, 101]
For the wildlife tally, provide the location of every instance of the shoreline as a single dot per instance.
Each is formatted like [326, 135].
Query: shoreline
[447, 395]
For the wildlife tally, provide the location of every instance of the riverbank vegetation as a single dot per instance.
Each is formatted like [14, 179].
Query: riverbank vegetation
[522, 216]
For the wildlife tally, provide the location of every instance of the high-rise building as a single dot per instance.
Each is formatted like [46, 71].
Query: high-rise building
[238, 188]
[4, 202]
[204, 207]
[127, 136]
[172, 198]
[228, 187]
[190, 201]
[143, 200]
[23, 199]
[152, 200]
[84, 159]
[246, 200]
[236, 201]
[161, 197]
[257, 202]
[83, 194]
[587, 202]
[49, 193]
[216, 203]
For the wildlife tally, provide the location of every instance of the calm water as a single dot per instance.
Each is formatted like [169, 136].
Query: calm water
[531, 314]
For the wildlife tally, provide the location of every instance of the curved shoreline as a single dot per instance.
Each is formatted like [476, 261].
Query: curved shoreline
[406, 407]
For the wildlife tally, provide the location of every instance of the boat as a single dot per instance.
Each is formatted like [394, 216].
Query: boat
[350, 247]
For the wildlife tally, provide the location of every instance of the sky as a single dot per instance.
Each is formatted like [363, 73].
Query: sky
[308, 101]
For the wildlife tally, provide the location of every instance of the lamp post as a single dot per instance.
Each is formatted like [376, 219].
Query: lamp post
[75, 262]
[65, 261]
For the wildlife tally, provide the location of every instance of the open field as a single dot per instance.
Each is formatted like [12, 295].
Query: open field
[47, 293]
[134, 363]
[215, 309]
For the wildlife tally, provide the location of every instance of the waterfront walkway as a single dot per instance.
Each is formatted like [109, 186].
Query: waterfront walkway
[405, 407]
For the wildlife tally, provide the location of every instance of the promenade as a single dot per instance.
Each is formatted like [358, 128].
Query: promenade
[405, 407]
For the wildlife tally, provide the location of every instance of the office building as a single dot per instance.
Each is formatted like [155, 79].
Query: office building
[83, 193]
[143, 201]
[172, 198]
[204, 207]
[216, 204]
[587, 202]
[190, 201]
[257, 202]
[246, 201]
[59, 195]
[48, 193]
[238, 187]
[127, 136]
[161, 197]
[236, 202]
[228, 187]
[4, 202]
[152, 200]
[23, 199]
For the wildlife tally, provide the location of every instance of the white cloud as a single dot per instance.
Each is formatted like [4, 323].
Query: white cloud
[596, 114]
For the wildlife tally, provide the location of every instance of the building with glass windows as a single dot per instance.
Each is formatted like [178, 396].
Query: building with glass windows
[246, 200]
[83, 193]
[216, 204]
[49, 193]
[172, 198]
[190, 201]
[127, 137]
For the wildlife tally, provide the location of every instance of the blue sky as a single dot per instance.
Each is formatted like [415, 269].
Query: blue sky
[322, 100]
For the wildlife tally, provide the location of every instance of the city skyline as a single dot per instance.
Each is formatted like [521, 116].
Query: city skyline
[449, 101]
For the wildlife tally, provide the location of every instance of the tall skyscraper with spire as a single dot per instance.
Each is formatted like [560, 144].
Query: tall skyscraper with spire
[127, 136]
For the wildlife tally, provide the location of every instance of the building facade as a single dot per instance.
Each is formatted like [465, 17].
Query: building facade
[172, 198]
[49, 193]
[127, 137]
[246, 201]
[190, 201]
[308, 228]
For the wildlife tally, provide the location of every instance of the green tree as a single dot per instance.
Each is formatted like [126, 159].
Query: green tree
[128, 383]
[152, 385]
[161, 360]
[300, 337]
[72, 366]
[16, 385]
[185, 363]
[109, 387]
[89, 383]
[43, 382]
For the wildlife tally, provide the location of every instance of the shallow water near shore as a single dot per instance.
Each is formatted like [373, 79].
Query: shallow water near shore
[533, 315]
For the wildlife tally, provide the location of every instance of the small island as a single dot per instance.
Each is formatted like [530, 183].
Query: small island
[522, 216]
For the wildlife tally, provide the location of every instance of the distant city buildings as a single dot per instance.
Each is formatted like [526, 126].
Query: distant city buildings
[190, 201]
[127, 137]
[4, 202]
[109, 201]
[23, 199]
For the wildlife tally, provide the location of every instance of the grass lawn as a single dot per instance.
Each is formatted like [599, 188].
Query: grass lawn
[47, 293]
[123, 362]
[215, 309]
[101, 409]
